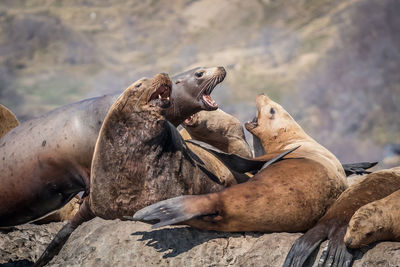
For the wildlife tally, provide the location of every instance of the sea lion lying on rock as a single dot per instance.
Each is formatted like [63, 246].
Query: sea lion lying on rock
[290, 195]
[333, 224]
[376, 221]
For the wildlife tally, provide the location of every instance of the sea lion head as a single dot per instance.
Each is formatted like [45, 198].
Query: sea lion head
[272, 123]
[366, 226]
[192, 91]
[146, 93]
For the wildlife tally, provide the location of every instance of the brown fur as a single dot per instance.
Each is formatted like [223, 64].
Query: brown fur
[376, 221]
[219, 129]
[8, 121]
[290, 195]
[66, 213]
[122, 182]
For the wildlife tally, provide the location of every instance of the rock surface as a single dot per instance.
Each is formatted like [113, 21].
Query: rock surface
[117, 243]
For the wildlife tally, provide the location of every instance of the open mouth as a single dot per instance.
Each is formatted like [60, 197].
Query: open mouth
[190, 121]
[250, 125]
[161, 97]
[205, 94]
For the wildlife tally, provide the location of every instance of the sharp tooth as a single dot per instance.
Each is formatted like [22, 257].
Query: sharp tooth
[167, 97]
[159, 96]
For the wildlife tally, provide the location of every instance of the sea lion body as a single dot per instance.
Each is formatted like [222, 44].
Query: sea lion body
[375, 221]
[290, 195]
[333, 224]
[46, 161]
[219, 129]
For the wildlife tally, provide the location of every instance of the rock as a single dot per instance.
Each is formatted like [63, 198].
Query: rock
[24, 244]
[118, 243]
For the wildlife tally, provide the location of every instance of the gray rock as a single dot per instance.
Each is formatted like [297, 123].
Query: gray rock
[118, 243]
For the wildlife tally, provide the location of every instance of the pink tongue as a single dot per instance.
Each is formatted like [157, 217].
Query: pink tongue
[209, 100]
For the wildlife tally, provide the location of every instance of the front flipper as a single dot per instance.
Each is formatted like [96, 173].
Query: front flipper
[336, 253]
[358, 168]
[166, 212]
[305, 245]
[84, 214]
[238, 163]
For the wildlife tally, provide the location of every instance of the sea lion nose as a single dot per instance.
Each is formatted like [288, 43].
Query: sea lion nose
[348, 241]
[222, 70]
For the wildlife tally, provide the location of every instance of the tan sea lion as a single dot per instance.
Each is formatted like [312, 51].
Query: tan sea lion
[46, 161]
[290, 195]
[8, 120]
[220, 130]
[333, 224]
[376, 221]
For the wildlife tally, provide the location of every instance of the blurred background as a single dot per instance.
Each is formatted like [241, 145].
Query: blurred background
[333, 64]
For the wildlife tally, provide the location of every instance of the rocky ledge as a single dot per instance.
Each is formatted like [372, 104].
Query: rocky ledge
[118, 243]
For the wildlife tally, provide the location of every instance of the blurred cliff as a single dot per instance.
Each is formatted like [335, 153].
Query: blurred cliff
[335, 65]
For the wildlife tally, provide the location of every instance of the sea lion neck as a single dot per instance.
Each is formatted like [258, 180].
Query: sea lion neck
[282, 138]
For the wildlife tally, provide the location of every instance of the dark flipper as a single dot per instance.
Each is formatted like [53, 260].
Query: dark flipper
[358, 168]
[305, 245]
[166, 212]
[257, 146]
[84, 214]
[336, 253]
[235, 162]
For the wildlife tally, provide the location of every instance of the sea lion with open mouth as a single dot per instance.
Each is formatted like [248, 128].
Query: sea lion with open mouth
[53, 153]
[289, 195]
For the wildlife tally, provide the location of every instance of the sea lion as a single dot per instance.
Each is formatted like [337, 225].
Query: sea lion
[219, 129]
[290, 195]
[139, 159]
[49, 158]
[8, 120]
[333, 224]
[376, 221]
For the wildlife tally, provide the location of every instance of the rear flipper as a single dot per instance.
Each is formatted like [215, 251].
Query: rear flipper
[176, 210]
[336, 253]
[84, 214]
[359, 168]
[305, 245]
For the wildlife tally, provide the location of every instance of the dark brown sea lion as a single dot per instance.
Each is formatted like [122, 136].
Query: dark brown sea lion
[219, 129]
[290, 195]
[46, 161]
[376, 221]
[333, 224]
[8, 121]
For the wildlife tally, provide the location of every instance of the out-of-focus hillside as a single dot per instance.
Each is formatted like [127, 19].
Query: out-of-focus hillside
[333, 64]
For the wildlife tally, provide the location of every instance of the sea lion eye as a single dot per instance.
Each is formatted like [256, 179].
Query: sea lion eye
[138, 85]
[199, 74]
[272, 111]
[178, 81]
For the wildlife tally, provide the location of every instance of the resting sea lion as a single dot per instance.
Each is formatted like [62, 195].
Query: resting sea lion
[139, 159]
[290, 195]
[333, 224]
[46, 161]
[376, 221]
[8, 121]
[219, 129]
